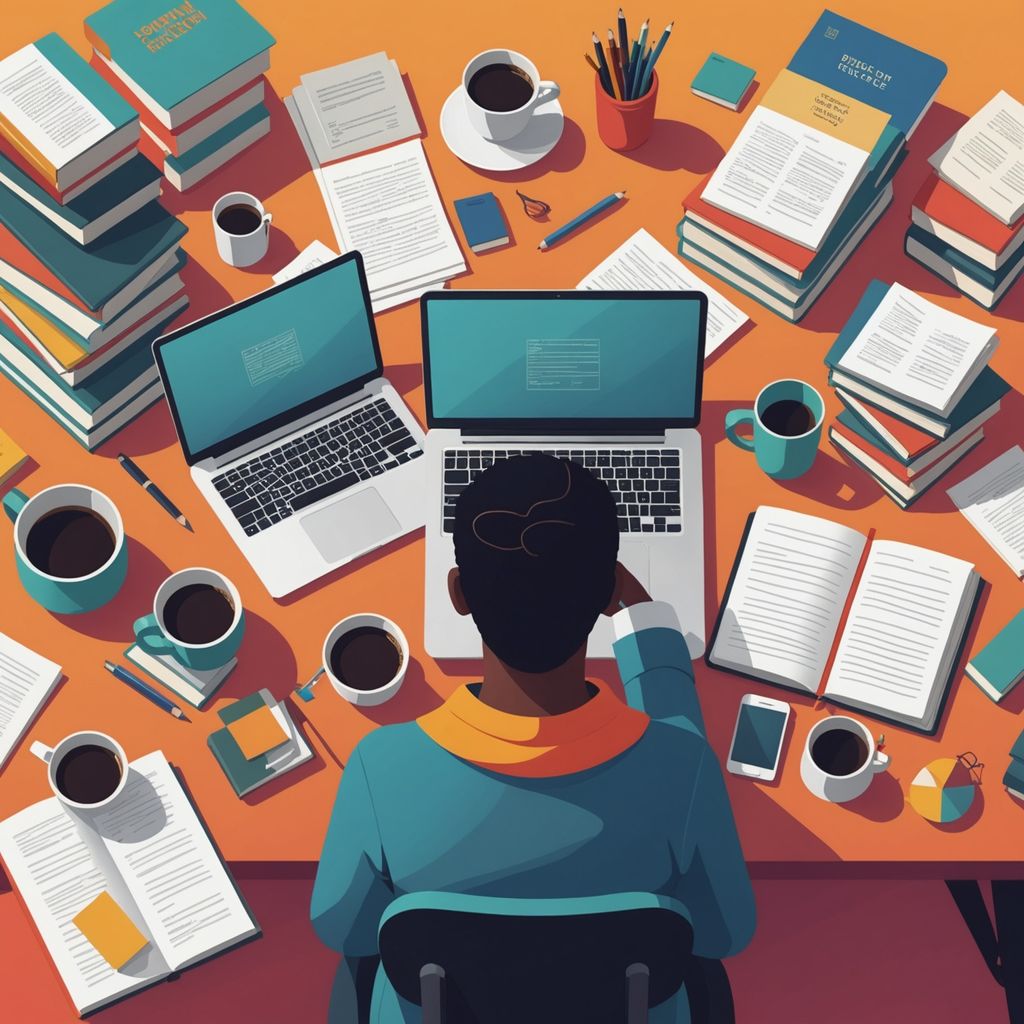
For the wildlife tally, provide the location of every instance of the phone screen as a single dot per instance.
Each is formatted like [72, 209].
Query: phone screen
[758, 736]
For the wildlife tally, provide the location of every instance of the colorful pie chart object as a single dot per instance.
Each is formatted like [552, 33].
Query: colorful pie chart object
[942, 791]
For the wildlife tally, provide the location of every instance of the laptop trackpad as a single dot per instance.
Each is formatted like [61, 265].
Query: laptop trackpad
[636, 558]
[350, 526]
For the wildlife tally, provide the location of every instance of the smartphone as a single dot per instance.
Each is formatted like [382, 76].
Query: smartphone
[757, 738]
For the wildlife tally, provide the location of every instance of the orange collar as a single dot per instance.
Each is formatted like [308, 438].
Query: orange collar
[535, 747]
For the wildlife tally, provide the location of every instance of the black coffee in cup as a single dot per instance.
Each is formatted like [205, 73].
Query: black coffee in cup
[88, 774]
[198, 613]
[788, 418]
[366, 658]
[500, 87]
[839, 752]
[239, 219]
[70, 542]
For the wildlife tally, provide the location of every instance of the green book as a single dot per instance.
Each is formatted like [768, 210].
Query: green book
[246, 774]
[999, 665]
[723, 81]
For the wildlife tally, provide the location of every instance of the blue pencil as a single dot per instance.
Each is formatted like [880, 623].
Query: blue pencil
[577, 222]
[650, 62]
[147, 691]
[636, 66]
[624, 46]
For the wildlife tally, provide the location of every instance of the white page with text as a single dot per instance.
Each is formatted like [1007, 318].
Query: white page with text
[26, 680]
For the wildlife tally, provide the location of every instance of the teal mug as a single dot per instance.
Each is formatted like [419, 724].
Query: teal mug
[786, 428]
[79, 556]
[188, 604]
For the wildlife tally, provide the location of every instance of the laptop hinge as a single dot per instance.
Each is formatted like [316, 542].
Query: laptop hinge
[561, 440]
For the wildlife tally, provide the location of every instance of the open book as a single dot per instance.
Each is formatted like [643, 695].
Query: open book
[151, 853]
[873, 625]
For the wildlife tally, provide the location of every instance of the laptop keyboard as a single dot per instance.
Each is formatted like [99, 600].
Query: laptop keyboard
[331, 457]
[644, 481]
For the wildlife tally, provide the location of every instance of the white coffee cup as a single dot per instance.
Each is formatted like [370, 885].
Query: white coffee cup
[242, 250]
[53, 756]
[366, 698]
[837, 789]
[500, 125]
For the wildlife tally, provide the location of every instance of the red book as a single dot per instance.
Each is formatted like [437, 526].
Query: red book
[903, 436]
[789, 257]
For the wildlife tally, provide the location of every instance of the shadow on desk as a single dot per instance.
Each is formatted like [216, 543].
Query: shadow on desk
[265, 659]
[677, 146]
[566, 156]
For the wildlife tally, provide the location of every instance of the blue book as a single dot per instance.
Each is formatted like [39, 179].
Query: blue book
[482, 221]
[723, 81]
[999, 665]
[871, 67]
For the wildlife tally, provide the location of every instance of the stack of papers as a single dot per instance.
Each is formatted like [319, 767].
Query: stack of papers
[378, 189]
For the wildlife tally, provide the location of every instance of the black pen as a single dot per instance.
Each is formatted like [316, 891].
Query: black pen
[154, 492]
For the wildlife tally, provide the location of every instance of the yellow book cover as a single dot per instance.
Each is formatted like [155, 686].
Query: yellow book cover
[837, 115]
[67, 352]
[12, 458]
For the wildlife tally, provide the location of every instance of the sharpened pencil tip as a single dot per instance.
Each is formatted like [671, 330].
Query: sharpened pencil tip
[184, 522]
[178, 713]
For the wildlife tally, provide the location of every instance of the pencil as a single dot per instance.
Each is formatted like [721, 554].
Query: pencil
[623, 47]
[631, 65]
[577, 222]
[638, 64]
[652, 60]
[606, 78]
[145, 690]
[593, 63]
[614, 58]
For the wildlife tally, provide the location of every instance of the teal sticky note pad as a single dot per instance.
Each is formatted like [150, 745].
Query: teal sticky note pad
[1001, 661]
[723, 80]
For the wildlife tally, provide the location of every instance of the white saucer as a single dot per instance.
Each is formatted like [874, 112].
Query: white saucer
[534, 143]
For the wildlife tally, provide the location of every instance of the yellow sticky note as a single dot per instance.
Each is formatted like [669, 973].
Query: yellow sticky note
[257, 732]
[110, 930]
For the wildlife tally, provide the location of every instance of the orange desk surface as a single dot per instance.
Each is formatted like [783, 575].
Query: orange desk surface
[784, 829]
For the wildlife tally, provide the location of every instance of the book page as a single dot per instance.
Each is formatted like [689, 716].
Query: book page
[901, 630]
[57, 875]
[26, 680]
[993, 502]
[160, 848]
[642, 263]
[46, 110]
[787, 597]
[918, 351]
[985, 158]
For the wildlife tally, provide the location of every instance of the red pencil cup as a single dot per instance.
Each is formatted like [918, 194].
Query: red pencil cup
[625, 125]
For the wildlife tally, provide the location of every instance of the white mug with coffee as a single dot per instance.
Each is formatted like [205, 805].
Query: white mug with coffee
[86, 770]
[365, 658]
[503, 89]
[242, 229]
[840, 759]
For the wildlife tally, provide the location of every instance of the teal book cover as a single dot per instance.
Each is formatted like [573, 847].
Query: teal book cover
[1000, 663]
[871, 67]
[991, 279]
[172, 51]
[219, 139]
[849, 419]
[723, 79]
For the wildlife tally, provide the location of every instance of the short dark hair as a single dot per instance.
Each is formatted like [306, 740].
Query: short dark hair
[536, 542]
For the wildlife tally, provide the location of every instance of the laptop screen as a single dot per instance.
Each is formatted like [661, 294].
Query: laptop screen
[265, 362]
[550, 361]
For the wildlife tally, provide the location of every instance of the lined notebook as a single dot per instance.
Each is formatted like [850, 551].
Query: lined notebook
[868, 624]
[26, 680]
[196, 686]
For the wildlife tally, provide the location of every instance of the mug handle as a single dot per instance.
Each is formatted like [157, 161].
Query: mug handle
[149, 636]
[738, 418]
[42, 751]
[14, 502]
[546, 92]
[267, 218]
[880, 762]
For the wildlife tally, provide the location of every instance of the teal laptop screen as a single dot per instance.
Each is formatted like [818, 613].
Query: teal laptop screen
[579, 357]
[271, 356]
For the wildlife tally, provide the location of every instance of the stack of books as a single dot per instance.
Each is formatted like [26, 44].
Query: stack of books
[812, 169]
[967, 221]
[89, 260]
[194, 74]
[916, 388]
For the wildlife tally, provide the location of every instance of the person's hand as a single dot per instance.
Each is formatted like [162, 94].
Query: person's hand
[628, 590]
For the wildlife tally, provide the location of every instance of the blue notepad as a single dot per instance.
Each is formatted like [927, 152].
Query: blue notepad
[999, 665]
[723, 81]
[482, 222]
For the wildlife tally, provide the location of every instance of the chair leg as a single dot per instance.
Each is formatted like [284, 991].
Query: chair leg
[638, 979]
[432, 993]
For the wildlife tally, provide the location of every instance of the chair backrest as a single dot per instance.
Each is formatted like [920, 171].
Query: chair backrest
[547, 961]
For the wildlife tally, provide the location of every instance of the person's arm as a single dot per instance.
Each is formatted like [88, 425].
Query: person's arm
[352, 888]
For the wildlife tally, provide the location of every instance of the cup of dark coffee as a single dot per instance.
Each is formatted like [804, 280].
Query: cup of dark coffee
[242, 229]
[86, 770]
[840, 759]
[365, 658]
[69, 546]
[197, 618]
[786, 428]
[503, 89]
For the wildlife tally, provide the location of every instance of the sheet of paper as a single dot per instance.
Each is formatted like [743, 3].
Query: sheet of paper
[916, 350]
[787, 597]
[161, 850]
[993, 502]
[316, 254]
[46, 109]
[985, 158]
[26, 680]
[902, 621]
[641, 262]
[352, 107]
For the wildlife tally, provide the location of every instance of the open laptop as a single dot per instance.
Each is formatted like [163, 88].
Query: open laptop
[609, 379]
[307, 454]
